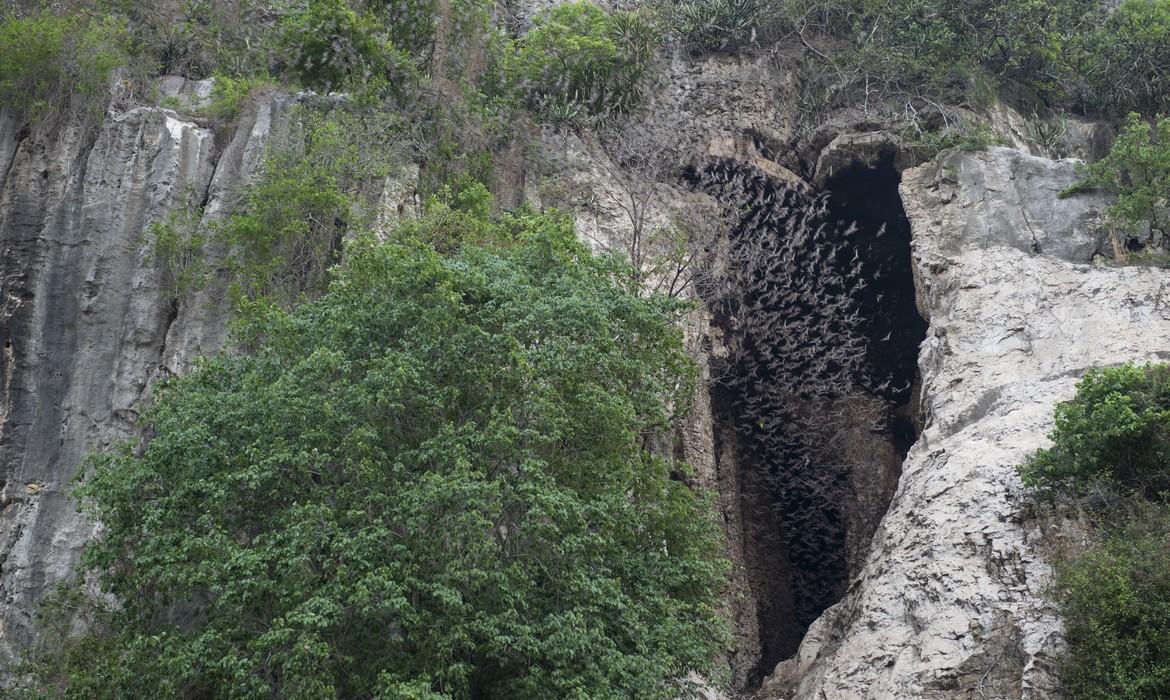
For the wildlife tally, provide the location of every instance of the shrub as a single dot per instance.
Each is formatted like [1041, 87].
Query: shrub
[458, 214]
[1114, 597]
[315, 184]
[946, 45]
[207, 37]
[430, 482]
[328, 46]
[1137, 170]
[576, 53]
[465, 135]
[409, 23]
[1108, 58]
[228, 96]
[1124, 61]
[286, 229]
[1115, 601]
[50, 64]
[967, 136]
[1116, 429]
[1048, 133]
[178, 244]
[717, 24]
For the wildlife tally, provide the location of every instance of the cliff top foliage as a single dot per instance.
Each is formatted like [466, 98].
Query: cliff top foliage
[574, 59]
[468, 74]
[1111, 444]
[1137, 170]
[577, 56]
[431, 482]
[1082, 55]
[50, 64]
[924, 57]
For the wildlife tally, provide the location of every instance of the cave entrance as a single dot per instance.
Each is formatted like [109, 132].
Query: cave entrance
[816, 302]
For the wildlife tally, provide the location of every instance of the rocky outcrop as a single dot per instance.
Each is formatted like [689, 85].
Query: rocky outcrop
[952, 600]
[87, 319]
[947, 602]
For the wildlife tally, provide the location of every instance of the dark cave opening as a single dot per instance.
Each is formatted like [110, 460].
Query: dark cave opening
[868, 197]
[815, 298]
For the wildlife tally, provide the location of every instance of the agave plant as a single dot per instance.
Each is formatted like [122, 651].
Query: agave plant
[717, 24]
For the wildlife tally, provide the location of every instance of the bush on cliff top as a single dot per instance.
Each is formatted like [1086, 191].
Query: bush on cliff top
[926, 56]
[578, 55]
[50, 64]
[1122, 63]
[330, 46]
[716, 24]
[431, 482]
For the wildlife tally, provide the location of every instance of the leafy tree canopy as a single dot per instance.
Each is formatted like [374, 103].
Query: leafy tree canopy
[431, 482]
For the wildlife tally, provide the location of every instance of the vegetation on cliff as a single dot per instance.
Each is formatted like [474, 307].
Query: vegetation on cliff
[317, 180]
[1110, 448]
[51, 64]
[1115, 602]
[433, 476]
[434, 481]
[1116, 430]
[1137, 170]
[1080, 55]
[575, 57]
[578, 57]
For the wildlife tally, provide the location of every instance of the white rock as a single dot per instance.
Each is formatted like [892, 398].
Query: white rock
[952, 601]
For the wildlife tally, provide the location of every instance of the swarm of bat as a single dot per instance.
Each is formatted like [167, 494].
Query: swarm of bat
[813, 309]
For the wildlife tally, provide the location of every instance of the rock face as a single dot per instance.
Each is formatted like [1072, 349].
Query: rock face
[951, 602]
[87, 320]
[947, 602]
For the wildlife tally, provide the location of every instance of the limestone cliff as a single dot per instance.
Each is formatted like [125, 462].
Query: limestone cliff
[952, 600]
[948, 597]
[87, 320]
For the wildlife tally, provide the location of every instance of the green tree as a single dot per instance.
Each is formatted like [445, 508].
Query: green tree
[431, 482]
[1123, 61]
[578, 55]
[1137, 170]
[1115, 601]
[1116, 429]
[1114, 595]
[50, 64]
